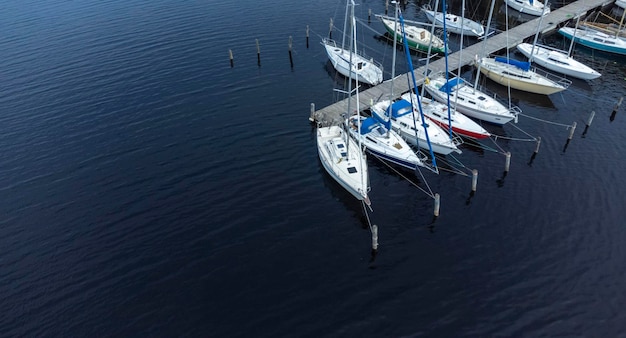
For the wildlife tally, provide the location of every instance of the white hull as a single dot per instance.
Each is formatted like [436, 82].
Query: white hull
[383, 143]
[453, 23]
[404, 125]
[526, 80]
[471, 102]
[558, 61]
[363, 70]
[525, 6]
[346, 163]
[438, 113]
[621, 3]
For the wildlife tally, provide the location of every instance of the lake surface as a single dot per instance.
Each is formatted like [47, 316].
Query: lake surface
[150, 189]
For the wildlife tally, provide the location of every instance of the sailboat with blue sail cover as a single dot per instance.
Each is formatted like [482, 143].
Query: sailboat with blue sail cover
[409, 121]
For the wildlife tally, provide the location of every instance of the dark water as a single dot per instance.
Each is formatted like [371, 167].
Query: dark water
[148, 189]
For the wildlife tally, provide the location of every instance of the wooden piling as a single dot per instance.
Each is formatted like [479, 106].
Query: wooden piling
[538, 144]
[593, 113]
[230, 56]
[571, 132]
[330, 30]
[307, 36]
[437, 204]
[312, 116]
[369, 16]
[258, 53]
[619, 103]
[374, 237]
[507, 162]
[290, 57]
[474, 179]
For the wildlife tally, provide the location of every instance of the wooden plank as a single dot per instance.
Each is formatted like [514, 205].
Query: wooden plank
[516, 35]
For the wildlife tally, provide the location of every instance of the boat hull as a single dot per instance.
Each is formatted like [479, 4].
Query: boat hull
[453, 23]
[508, 75]
[525, 6]
[596, 40]
[413, 33]
[558, 62]
[349, 169]
[363, 70]
[471, 102]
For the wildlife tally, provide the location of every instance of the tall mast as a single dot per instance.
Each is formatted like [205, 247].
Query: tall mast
[482, 52]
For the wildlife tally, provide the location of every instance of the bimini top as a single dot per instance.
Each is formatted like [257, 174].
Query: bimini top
[368, 125]
[523, 65]
[447, 87]
[401, 108]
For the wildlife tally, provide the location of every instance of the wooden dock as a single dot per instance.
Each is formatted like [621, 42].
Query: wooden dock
[332, 114]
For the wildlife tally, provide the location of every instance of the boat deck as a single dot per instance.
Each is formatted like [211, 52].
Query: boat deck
[332, 114]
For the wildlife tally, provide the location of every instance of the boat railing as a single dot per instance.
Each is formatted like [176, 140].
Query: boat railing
[553, 77]
[513, 109]
[333, 43]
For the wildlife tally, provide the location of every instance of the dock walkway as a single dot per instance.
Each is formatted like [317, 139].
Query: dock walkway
[332, 114]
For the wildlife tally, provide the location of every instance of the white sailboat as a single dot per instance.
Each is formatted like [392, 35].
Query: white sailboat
[519, 74]
[341, 156]
[418, 38]
[407, 120]
[557, 60]
[361, 68]
[532, 7]
[466, 98]
[381, 140]
[454, 23]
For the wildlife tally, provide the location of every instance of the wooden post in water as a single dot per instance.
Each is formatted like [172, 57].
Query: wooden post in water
[290, 57]
[619, 103]
[374, 237]
[593, 113]
[437, 203]
[230, 56]
[507, 162]
[258, 53]
[330, 31]
[474, 179]
[312, 116]
[538, 144]
[369, 16]
[571, 132]
[307, 36]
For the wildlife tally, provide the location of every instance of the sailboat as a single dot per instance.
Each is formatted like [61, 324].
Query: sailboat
[342, 156]
[410, 123]
[595, 39]
[442, 113]
[532, 7]
[361, 68]
[557, 60]
[381, 140]
[417, 38]
[519, 74]
[455, 24]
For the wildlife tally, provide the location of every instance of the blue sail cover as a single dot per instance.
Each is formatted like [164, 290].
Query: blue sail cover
[368, 125]
[447, 87]
[523, 65]
[401, 108]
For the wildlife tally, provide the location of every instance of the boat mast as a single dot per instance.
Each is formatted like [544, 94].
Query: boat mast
[350, 79]
[432, 34]
[445, 55]
[482, 52]
[407, 52]
[393, 66]
[362, 159]
[571, 45]
[532, 50]
[345, 25]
